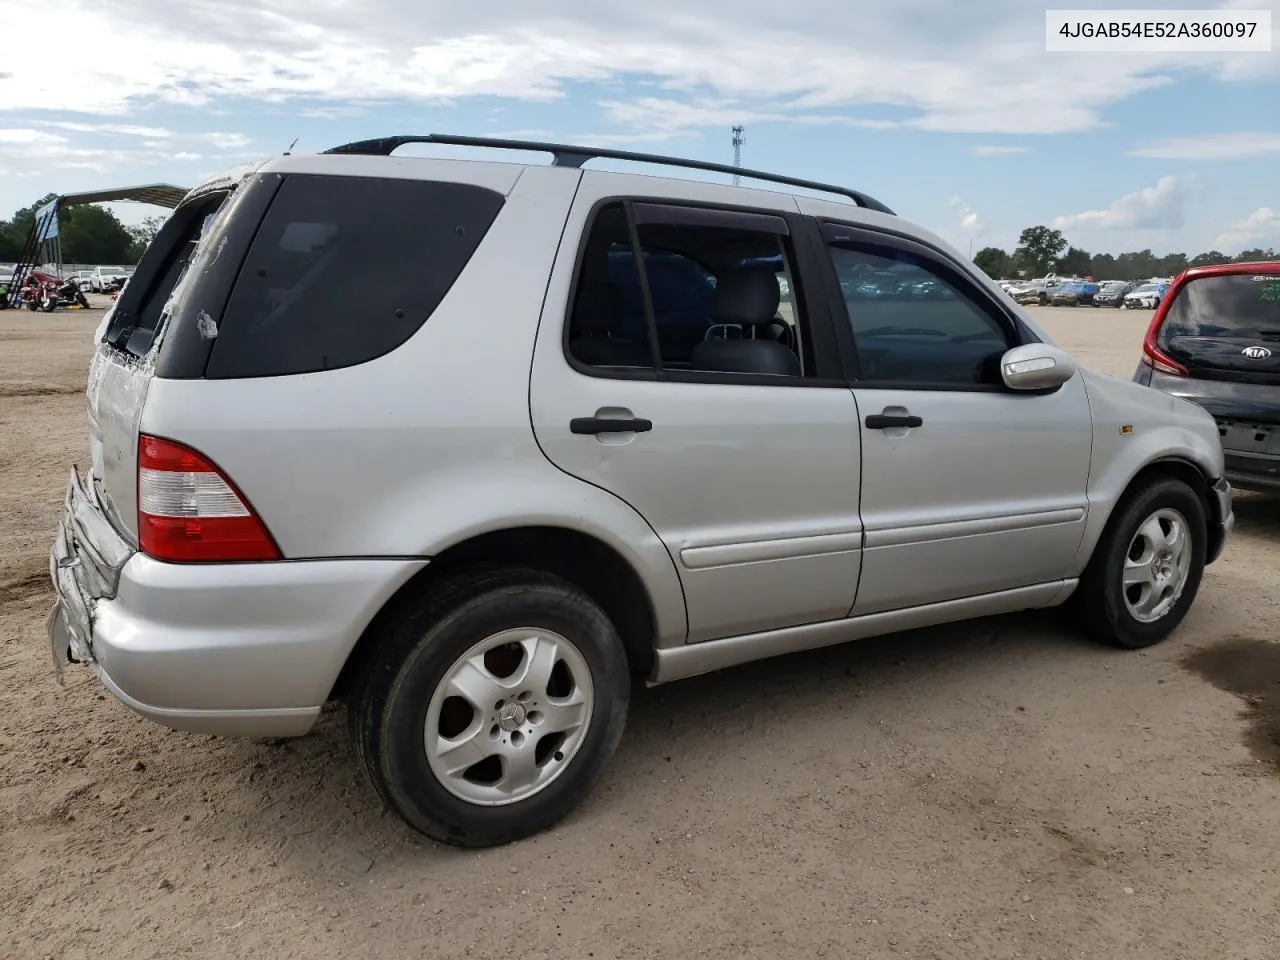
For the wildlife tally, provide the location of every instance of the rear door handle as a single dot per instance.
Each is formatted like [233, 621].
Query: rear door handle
[594, 426]
[883, 421]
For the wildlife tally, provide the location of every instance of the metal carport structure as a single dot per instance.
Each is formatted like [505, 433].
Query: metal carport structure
[43, 244]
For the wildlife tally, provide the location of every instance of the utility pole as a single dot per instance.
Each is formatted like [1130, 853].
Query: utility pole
[738, 141]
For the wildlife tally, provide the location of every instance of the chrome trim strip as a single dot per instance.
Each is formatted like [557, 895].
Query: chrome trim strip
[690, 660]
[755, 551]
[897, 536]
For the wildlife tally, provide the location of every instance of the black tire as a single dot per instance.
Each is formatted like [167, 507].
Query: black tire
[1100, 599]
[415, 649]
[49, 305]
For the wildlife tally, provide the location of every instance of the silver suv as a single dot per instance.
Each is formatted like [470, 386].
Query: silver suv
[469, 444]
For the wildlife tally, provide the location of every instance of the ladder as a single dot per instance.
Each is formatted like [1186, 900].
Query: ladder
[31, 260]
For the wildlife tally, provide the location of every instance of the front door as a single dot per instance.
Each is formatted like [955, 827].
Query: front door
[742, 453]
[968, 488]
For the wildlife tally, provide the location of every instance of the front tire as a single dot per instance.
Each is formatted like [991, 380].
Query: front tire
[1146, 570]
[489, 709]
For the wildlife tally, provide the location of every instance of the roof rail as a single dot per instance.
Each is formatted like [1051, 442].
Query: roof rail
[566, 155]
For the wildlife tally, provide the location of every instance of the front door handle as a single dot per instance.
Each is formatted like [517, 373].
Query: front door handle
[594, 426]
[884, 421]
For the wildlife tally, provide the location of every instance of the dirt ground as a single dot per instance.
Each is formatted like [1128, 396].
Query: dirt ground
[1000, 789]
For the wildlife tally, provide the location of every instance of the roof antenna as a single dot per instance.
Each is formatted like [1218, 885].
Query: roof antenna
[291, 146]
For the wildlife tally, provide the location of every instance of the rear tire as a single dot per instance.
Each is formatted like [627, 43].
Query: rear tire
[1146, 570]
[434, 694]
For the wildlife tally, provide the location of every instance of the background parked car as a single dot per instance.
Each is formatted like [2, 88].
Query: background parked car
[1216, 340]
[1035, 291]
[1077, 293]
[1146, 297]
[1111, 293]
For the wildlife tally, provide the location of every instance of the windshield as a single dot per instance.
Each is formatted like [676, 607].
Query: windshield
[1232, 305]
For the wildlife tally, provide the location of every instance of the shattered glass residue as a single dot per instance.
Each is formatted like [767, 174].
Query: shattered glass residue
[222, 245]
[206, 325]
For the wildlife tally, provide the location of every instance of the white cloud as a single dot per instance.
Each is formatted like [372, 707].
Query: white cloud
[1262, 227]
[970, 222]
[27, 135]
[224, 141]
[331, 113]
[49, 152]
[1212, 146]
[996, 150]
[1162, 207]
[939, 65]
[118, 129]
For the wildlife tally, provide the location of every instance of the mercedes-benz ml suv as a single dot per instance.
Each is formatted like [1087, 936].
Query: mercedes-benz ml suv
[470, 444]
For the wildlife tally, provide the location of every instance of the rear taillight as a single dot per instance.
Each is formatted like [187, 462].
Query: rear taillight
[1152, 355]
[189, 511]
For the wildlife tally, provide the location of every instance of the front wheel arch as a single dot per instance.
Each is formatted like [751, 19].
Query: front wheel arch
[1190, 474]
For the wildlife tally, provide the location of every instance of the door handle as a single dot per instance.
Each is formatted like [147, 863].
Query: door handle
[884, 421]
[594, 426]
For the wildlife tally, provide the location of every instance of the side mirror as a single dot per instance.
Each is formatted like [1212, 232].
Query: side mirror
[1036, 366]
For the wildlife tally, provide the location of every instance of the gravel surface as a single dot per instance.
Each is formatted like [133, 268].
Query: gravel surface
[999, 789]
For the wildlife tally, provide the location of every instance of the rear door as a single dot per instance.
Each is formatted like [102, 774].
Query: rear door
[750, 479]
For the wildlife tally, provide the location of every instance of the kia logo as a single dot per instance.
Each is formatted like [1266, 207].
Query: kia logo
[1255, 353]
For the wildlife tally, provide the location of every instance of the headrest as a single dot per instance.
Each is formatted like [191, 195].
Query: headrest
[749, 296]
[599, 307]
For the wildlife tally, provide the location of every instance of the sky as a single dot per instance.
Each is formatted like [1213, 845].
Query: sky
[952, 114]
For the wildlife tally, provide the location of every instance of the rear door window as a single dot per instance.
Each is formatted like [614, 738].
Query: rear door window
[346, 269]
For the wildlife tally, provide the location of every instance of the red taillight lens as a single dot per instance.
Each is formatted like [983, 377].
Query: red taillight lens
[190, 512]
[1152, 355]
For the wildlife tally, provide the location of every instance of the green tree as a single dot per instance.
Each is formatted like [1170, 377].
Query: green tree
[143, 233]
[1075, 262]
[1208, 259]
[1102, 266]
[1257, 253]
[93, 234]
[994, 262]
[1038, 248]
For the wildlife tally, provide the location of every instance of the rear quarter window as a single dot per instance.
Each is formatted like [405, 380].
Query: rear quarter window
[344, 270]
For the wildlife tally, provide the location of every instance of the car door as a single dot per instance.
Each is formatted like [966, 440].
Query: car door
[968, 488]
[750, 479]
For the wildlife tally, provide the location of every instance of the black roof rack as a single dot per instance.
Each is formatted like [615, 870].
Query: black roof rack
[566, 155]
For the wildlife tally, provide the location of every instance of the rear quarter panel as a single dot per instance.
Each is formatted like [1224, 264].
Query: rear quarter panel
[430, 444]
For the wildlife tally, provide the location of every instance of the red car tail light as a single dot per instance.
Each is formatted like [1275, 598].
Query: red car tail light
[1152, 355]
[189, 511]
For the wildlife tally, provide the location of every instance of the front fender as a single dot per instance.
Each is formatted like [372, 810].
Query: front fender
[1134, 428]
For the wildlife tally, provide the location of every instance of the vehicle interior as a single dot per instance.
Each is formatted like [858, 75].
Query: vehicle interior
[717, 293]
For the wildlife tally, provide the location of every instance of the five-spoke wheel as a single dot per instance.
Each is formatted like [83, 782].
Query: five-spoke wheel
[490, 705]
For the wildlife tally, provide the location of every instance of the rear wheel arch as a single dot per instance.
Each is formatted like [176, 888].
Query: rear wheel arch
[578, 558]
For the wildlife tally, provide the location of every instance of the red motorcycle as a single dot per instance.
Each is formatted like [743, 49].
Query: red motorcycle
[43, 291]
